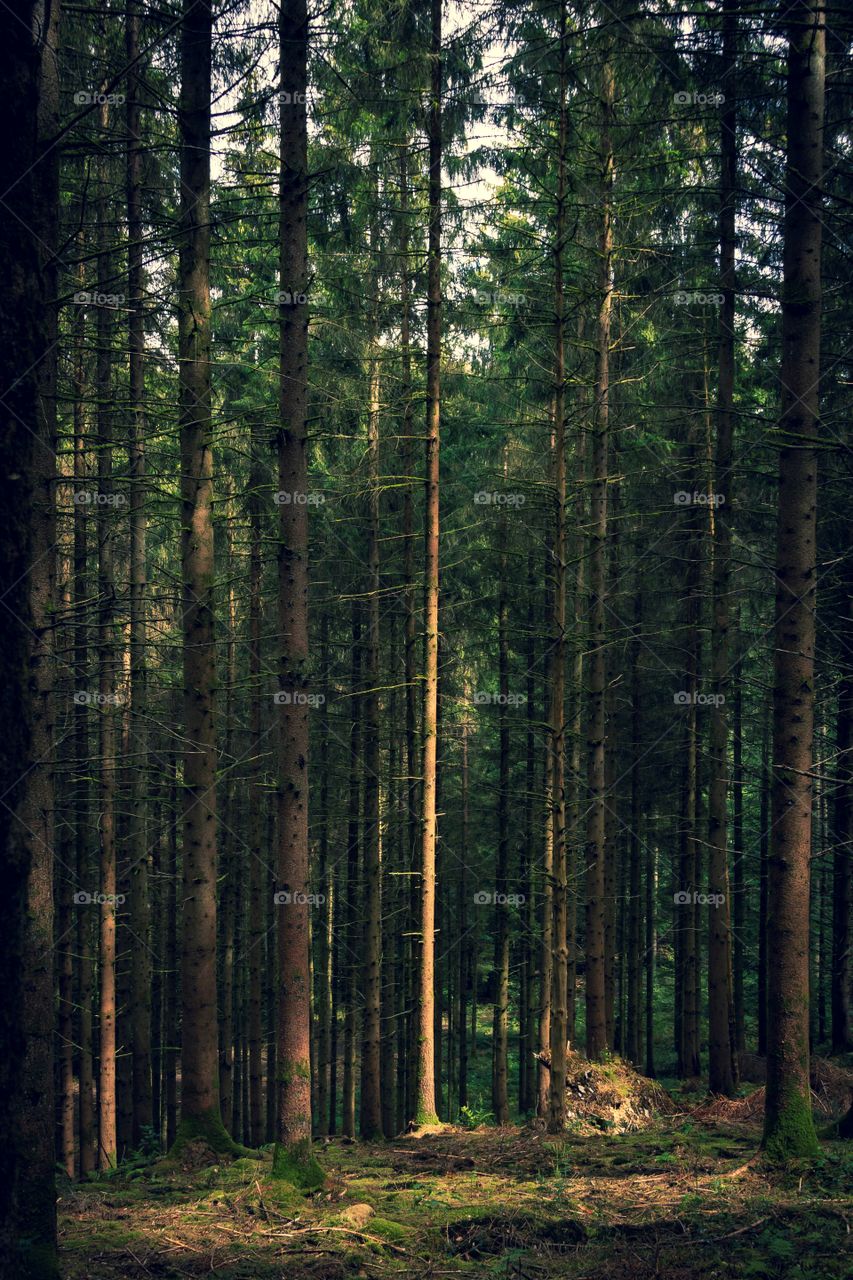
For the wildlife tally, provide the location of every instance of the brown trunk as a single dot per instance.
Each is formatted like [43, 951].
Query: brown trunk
[171, 1034]
[841, 983]
[635, 905]
[256, 803]
[688, 880]
[425, 1110]
[738, 865]
[371, 1106]
[788, 1124]
[106, 697]
[85, 869]
[140, 992]
[199, 1041]
[596, 1022]
[353, 892]
[293, 1158]
[28, 1196]
[557, 685]
[721, 1078]
[500, 1019]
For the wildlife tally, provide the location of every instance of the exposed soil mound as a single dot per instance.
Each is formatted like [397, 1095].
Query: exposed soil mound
[832, 1091]
[490, 1237]
[612, 1095]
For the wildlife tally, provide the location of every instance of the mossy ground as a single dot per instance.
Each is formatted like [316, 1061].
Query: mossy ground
[681, 1200]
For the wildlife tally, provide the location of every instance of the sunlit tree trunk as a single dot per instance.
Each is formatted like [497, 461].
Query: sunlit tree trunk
[200, 1115]
[425, 1108]
[293, 1158]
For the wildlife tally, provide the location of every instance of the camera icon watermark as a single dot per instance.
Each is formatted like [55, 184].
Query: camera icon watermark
[686, 898]
[686, 699]
[485, 499]
[284, 498]
[682, 299]
[92, 298]
[285, 898]
[482, 698]
[698, 99]
[91, 698]
[93, 498]
[490, 897]
[499, 298]
[684, 498]
[85, 98]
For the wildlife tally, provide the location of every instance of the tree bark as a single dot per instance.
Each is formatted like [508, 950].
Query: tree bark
[721, 1077]
[425, 1107]
[557, 685]
[200, 1113]
[788, 1125]
[293, 1156]
[596, 1023]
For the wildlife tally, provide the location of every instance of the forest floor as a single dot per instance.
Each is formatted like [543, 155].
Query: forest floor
[684, 1199]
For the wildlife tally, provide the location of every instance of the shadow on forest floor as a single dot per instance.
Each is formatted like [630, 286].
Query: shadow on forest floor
[683, 1200]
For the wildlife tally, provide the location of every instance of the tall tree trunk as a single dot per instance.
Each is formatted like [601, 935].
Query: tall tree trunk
[464, 941]
[557, 685]
[140, 999]
[763, 862]
[353, 888]
[200, 1115]
[27, 1190]
[721, 1076]
[410, 640]
[651, 956]
[738, 863]
[106, 699]
[371, 1103]
[500, 1023]
[324, 950]
[293, 1159]
[596, 1023]
[688, 885]
[256, 805]
[841, 985]
[425, 1110]
[788, 1124]
[635, 906]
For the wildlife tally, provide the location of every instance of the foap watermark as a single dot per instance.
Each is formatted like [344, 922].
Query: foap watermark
[94, 298]
[84, 899]
[296, 698]
[697, 299]
[482, 498]
[94, 498]
[490, 897]
[285, 498]
[85, 98]
[285, 898]
[696, 98]
[686, 898]
[499, 298]
[287, 298]
[483, 699]
[87, 698]
[288, 99]
[686, 498]
[684, 698]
